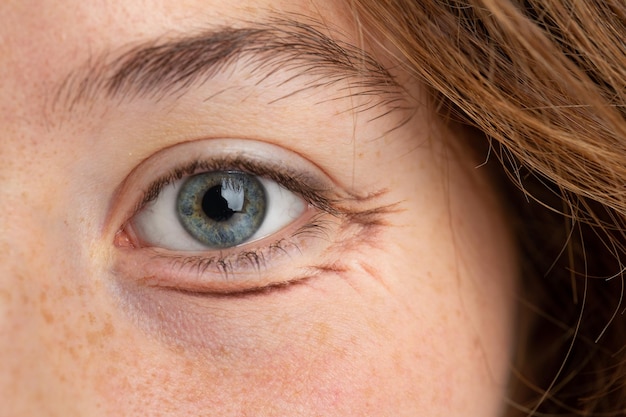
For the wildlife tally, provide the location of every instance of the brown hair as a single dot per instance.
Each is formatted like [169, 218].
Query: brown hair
[545, 83]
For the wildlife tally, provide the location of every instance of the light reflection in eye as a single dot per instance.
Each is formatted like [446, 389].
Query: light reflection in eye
[216, 210]
[221, 209]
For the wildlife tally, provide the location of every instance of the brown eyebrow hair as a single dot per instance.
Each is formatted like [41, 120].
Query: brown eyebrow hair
[159, 68]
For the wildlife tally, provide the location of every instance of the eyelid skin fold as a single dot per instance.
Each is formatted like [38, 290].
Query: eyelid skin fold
[144, 183]
[297, 253]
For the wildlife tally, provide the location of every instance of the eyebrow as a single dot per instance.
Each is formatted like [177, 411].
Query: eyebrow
[159, 68]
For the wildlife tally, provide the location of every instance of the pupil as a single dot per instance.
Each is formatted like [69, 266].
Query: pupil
[215, 206]
[221, 209]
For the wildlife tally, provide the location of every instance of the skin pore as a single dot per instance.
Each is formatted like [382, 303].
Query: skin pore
[391, 294]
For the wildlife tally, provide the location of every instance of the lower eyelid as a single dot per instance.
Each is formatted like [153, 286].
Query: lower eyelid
[242, 268]
[317, 247]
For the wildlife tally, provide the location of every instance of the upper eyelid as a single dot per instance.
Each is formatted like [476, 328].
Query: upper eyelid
[283, 175]
[325, 197]
[282, 165]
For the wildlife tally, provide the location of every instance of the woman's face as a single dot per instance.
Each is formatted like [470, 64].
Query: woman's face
[368, 272]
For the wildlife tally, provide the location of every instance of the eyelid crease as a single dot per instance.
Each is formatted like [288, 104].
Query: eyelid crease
[251, 291]
[288, 178]
[244, 289]
[273, 287]
[283, 175]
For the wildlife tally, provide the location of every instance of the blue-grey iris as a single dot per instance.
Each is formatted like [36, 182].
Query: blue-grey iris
[222, 209]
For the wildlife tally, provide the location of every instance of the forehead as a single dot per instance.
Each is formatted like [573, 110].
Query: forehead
[43, 41]
[50, 47]
[45, 28]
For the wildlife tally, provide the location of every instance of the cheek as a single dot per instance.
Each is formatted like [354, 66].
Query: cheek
[377, 351]
[324, 370]
[293, 355]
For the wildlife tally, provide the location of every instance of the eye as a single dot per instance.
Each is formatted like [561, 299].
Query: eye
[226, 216]
[216, 210]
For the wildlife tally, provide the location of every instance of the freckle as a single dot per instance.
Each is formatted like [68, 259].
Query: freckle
[376, 326]
[341, 352]
[188, 368]
[178, 349]
[124, 383]
[92, 318]
[25, 299]
[99, 336]
[5, 296]
[72, 351]
[322, 333]
[5, 249]
[114, 355]
[477, 344]
[65, 292]
[92, 338]
[108, 330]
[47, 316]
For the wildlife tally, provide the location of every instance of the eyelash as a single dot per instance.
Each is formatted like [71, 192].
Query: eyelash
[256, 258]
[289, 179]
[317, 225]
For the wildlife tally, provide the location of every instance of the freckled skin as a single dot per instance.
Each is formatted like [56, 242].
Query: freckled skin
[416, 322]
